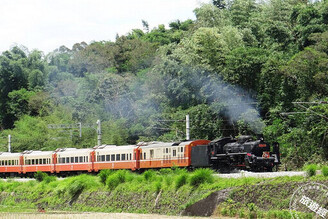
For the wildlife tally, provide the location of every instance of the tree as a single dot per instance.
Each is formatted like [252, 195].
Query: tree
[243, 67]
[219, 3]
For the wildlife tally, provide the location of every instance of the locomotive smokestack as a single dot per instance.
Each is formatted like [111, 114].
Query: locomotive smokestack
[260, 137]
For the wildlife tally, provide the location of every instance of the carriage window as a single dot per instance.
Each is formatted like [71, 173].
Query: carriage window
[123, 156]
[107, 157]
[151, 153]
[118, 157]
[72, 160]
[181, 149]
[76, 159]
[174, 153]
[44, 161]
[140, 156]
[87, 159]
[167, 150]
[130, 157]
[145, 155]
[67, 159]
[113, 157]
[81, 159]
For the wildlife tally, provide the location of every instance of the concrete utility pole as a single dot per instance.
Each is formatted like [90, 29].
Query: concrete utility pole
[9, 143]
[99, 132]
[187, 128]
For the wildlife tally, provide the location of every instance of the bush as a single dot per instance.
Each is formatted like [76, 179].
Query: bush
[76, 187]
[40, 176]
[181, 180]
[112, 181]
[120, 176]
[49, 179]
[103, 175]
[149, 175]
[310, 170]
[201, 176]
[324, 170]
[157, 185]
[77, 184]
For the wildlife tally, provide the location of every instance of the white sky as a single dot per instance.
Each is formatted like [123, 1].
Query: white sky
[47, 24]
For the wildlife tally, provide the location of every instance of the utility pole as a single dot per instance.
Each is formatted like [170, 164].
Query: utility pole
[187, 128]
[9, 143]
[99, 132]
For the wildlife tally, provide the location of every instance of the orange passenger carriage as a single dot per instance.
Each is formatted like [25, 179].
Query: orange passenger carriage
[10, 162]
[160, 154]
[115, 157]
[73, 160]
[33, 161]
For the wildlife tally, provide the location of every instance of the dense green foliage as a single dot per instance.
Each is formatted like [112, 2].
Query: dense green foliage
[236, 53]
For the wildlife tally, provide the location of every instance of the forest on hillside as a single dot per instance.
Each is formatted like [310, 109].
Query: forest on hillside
[242, 67]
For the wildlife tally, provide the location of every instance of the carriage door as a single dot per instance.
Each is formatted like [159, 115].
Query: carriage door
[136, 157]
[151, 157]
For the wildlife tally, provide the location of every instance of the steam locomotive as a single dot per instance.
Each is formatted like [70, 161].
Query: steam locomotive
[243, 153]
[222, 154]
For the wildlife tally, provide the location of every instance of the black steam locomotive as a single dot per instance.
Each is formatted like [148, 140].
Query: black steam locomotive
[229, 153]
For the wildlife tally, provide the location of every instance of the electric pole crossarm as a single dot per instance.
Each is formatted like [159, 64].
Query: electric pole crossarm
[306, 108]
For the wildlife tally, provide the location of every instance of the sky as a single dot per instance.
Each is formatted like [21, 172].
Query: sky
[48, 24]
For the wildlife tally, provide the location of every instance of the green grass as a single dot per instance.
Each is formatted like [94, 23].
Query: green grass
[310, 170]
[324, 171]
[122, 190]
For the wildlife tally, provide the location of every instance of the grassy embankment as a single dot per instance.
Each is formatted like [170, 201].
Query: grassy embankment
[165, 192]
[270, 198]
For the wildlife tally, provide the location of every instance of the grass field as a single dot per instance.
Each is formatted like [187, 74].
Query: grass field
[167, 191]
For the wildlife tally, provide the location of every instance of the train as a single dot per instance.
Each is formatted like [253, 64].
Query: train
[224, 153]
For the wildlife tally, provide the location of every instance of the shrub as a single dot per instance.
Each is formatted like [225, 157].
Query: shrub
[49, 179]
[78, 183]
[149, 175]
[103, 175]
[76, 187]
[112, 181]
[120, 176]
[165, 171]
[157, 185]
[310, 170]
[181, 180]
[201, 176]
[40, 176]
[324, 170]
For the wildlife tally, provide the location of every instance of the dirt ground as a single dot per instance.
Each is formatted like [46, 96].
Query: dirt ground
[87, 215]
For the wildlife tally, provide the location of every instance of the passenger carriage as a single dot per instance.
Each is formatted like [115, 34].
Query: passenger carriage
[33, 161]
[10, 162]
[160, 154]
[116, 157]
[72, 159]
